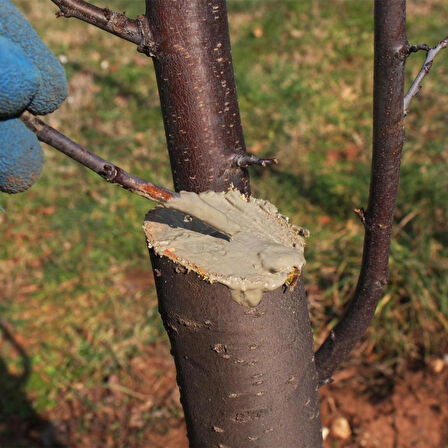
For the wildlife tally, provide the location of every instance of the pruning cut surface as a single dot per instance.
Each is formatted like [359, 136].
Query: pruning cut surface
[241, 242]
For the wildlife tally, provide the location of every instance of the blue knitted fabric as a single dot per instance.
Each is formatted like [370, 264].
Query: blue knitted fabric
[21, 157]
[53, 85]
[19, 79]
[31, 78]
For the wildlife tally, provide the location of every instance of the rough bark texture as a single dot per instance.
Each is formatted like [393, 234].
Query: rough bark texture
[388, 138]
[246, 375]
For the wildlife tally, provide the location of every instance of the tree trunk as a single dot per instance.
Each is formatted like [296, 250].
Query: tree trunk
[197, 91]
[246, 375]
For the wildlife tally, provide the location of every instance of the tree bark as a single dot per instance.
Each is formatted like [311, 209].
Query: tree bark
[197, 91]
[246, 375]
[391, 50]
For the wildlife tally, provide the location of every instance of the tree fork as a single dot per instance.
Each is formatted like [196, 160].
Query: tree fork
[246, 375]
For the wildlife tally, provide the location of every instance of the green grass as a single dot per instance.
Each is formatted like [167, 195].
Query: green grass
[304, 76]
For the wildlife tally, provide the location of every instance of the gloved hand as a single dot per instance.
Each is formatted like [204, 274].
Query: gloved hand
[31, 78]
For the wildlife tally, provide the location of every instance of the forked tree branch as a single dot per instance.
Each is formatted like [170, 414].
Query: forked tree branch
[132, 30]
[388, 138]
[105, 169]
[426, 67]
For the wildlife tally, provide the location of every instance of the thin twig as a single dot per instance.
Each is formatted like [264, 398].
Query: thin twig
[247, 160]
[359, 212]
[426, 67]
[132, 30]
[105, 169]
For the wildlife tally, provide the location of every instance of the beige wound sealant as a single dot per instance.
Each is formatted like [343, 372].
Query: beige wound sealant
[243, 243]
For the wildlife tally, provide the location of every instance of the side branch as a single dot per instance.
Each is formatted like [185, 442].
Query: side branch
[426, 67]
[388, 138]
[418, 47]
[105, 169]
[132, 30]
[247, 160]
[360, 213]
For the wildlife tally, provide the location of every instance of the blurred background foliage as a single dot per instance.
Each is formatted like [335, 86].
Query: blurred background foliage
[75, 281]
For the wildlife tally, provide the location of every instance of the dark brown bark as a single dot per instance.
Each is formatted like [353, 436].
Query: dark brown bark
[222, 348]
[246, 375]
[197, 90]
[388, 137]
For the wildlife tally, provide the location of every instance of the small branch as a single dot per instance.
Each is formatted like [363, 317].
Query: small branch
[247, 160]
[426, 67]
[105, 169]
[418, 47]
[147, 44]
[132, 30]
[359, 212]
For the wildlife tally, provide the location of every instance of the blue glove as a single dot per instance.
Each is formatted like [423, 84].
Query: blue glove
[31, 78]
